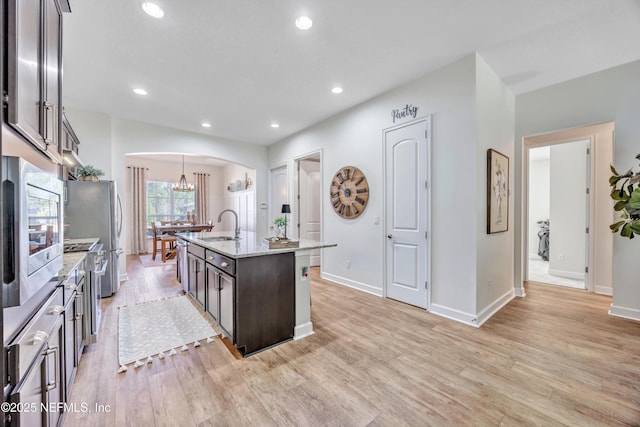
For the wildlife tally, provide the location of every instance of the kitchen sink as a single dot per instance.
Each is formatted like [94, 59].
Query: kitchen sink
[217, 238]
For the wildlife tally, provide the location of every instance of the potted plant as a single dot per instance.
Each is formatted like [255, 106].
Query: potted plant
[89, 173]
[281, 222]
[625, 191]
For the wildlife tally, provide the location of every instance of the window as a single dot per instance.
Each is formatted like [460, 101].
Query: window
[164, 204]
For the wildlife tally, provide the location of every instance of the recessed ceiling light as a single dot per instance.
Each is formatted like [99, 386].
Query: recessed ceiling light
[152, 9]
[140, 91]
[304, 22]
[336, 90]
[275, 125]
[206, 125]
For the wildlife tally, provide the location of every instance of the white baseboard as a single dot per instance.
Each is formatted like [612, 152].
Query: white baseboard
[567, 274]
[627, 313]
[495, 306]
[352, 284]
[519, 292]
[302, 331]
[453, 314]
[604, 290]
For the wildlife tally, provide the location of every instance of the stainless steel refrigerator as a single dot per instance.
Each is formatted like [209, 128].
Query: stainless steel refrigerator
[93, 209]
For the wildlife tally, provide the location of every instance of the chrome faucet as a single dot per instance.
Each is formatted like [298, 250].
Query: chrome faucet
[237, 229]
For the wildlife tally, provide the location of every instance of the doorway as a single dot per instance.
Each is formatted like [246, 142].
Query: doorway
[567, 209]
[407, 216]
[309, 202]
[559, 188]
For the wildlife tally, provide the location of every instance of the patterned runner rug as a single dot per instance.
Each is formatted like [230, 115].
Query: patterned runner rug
[153, 328]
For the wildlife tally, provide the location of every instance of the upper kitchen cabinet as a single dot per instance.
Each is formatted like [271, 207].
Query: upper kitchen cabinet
[70, 143]
[34, 64]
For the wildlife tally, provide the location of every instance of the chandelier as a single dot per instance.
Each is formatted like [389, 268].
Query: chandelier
[182, 184]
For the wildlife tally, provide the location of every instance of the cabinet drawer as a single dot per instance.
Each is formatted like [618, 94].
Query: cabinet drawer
[196, 250]
[29, 343]
[226, 264]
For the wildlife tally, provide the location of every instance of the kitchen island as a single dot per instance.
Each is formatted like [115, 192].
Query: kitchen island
[258, 296]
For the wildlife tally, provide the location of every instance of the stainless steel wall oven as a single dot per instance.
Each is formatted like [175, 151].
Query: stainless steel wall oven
[33, 227]
[31, 239]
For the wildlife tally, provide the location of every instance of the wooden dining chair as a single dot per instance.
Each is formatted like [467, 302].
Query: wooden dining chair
[169, 250]
[157, 243]
[163, 243]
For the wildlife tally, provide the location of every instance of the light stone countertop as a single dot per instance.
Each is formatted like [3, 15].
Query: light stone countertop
[69, 262]
[249, 245]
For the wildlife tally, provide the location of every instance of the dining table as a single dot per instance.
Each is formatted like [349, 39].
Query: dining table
[176, 228]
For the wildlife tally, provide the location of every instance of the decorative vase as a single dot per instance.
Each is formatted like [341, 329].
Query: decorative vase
[280, 231]
[88, 178]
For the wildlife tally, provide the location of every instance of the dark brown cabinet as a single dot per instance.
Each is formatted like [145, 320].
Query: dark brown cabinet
[34, 63]
[42, 386]
[213, 292]
[70, 150]
[73, 345]
[264, 301]
[252, 299]
[197, 274]
[36, 367]
[221, 290]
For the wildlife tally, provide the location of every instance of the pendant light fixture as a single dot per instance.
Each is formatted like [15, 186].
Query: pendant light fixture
[182, 185]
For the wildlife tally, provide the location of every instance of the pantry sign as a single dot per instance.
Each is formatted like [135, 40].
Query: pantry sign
[402, 113]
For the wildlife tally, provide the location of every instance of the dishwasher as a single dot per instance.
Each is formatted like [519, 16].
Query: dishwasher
[182, 270]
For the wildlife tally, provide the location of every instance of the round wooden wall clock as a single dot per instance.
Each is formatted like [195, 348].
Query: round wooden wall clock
[349, 192]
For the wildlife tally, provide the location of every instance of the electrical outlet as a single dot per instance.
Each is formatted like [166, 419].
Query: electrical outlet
[347, 263]
[560, 257]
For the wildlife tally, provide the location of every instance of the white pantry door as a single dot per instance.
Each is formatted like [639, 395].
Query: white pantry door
[309, 196]
[279, 195]
[407, 215]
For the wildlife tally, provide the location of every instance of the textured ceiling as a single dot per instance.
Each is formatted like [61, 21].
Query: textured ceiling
[242, 64]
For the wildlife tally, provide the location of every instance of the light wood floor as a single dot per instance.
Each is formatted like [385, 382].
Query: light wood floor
[553, 358]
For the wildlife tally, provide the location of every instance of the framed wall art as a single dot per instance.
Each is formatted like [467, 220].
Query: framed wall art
[497, 192]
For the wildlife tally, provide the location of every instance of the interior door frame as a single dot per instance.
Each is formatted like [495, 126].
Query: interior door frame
[428, 189]
[589, 132]
[296, 185]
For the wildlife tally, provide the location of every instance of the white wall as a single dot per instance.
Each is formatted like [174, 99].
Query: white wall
[568, 211]
[539, 196]
[94, 133]
[612, 94]
[495, 109]
[242, 202]
[458, 171]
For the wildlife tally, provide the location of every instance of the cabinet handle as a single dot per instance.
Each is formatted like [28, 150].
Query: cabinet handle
[80, 308]
[224, 264]
[72, 286]
[39, 337]
[53, 384]
[210, 258]
[49, 108]
[56, 309]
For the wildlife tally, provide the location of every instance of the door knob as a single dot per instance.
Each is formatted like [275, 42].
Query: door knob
[389, 236]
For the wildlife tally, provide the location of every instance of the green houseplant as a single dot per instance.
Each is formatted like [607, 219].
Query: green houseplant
[89, 173]
[625, 191]
[281, 222]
